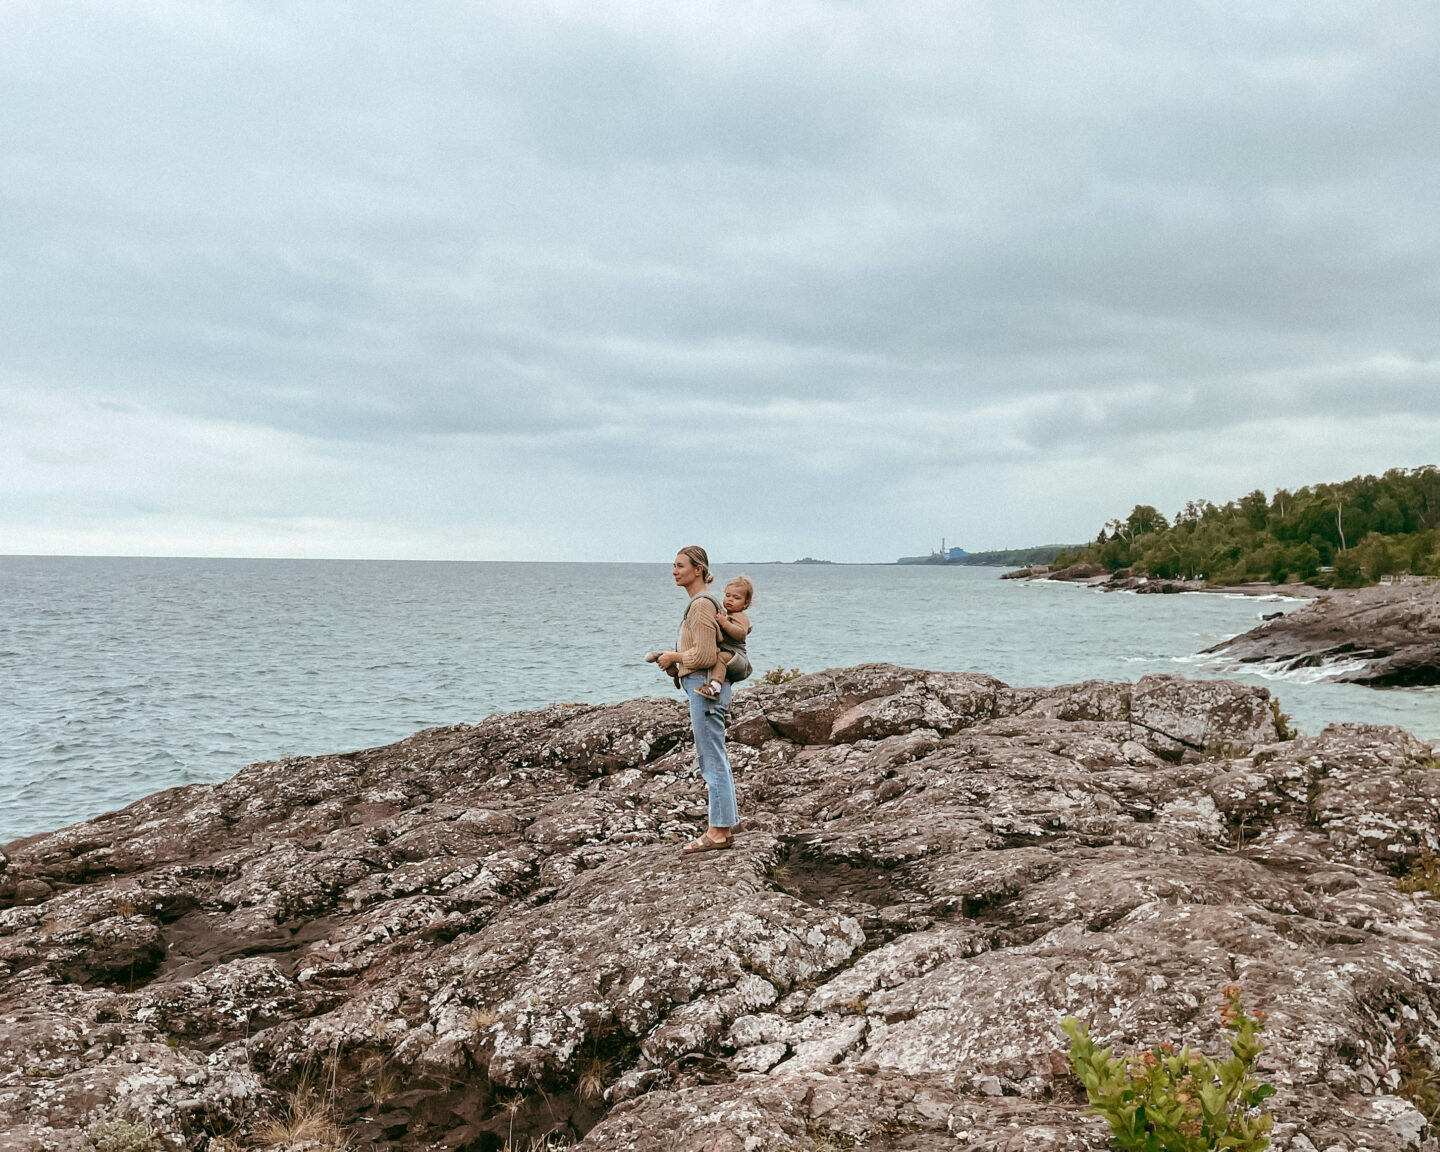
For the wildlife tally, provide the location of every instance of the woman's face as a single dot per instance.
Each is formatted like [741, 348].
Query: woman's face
[683, 571]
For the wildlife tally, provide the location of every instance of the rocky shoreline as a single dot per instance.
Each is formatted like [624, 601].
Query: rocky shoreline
[485, 934]
[1385, 637]
[1095, 576]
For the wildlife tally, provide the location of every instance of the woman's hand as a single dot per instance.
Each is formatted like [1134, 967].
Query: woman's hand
[667, 660]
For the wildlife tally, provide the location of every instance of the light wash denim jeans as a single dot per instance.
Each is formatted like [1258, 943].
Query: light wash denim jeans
[707, 721]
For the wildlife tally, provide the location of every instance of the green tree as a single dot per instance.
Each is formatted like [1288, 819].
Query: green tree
[1366, 527]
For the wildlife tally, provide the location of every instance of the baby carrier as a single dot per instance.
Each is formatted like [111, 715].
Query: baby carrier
[739, 667]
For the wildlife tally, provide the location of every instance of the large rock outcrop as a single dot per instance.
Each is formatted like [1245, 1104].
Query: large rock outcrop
[1387, 637]
[484, 934]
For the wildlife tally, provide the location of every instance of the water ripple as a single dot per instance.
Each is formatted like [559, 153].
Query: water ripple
[129, 675]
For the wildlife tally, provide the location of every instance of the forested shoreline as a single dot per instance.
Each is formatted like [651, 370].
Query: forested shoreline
[1001, 558]
[1341, 535]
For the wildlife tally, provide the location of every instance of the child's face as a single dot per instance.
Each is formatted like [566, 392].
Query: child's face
[734, 600]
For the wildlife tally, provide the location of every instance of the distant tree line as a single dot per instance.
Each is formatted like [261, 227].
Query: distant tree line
[1339, 535]
[1003, 558]
[1015, 557]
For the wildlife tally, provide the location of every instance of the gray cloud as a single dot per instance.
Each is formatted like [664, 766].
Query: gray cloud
[445, 261]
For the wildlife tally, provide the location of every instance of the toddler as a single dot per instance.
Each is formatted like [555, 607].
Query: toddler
[733, 664]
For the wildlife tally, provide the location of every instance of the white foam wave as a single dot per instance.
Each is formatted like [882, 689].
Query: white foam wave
[1267, 598]
[1326, 672]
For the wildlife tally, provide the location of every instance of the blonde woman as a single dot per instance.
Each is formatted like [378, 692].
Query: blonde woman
[695, 653]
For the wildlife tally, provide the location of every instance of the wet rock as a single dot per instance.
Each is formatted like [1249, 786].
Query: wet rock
[1077, 573]
[487, 933]
[1388, 636]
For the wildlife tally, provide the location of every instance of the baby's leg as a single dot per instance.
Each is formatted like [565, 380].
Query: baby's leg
[714, 678]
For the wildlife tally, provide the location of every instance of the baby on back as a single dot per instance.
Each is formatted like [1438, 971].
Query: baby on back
[734, 624]
[732, 627]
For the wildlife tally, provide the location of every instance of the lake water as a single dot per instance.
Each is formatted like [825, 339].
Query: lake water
[119, 677]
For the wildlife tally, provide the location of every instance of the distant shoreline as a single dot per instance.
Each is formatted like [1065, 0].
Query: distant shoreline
[1151, 585]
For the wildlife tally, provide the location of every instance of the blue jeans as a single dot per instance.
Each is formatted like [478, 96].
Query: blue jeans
[707, 721]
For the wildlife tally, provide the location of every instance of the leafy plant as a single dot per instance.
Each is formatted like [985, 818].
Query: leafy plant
[780, 675]
[1163, 1100]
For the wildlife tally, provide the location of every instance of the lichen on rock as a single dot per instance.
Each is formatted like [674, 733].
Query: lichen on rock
[487, 933]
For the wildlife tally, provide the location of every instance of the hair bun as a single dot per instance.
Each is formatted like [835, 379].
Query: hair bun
[697, 556]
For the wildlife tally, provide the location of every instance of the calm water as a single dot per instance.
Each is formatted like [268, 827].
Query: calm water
[119, 677]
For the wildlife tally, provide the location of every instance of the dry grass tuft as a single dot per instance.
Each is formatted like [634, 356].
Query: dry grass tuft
[1419, 1082]
[593, 1079]
[308, 1121]
[825, 1139]
[381, 1080]
[1424, 875]
[482, 1018]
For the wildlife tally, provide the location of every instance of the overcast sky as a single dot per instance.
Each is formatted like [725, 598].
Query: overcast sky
[593, 280]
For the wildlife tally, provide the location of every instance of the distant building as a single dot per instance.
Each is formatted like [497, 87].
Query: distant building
[956, 553]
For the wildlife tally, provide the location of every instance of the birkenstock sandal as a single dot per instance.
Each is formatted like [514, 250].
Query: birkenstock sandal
[704, 843]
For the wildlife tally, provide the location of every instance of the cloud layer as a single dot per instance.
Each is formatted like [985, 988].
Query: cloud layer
[567, 281]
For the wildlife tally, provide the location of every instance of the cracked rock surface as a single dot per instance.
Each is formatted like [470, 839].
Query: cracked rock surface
[486, 933]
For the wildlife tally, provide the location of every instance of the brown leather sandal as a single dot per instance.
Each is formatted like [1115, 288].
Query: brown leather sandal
[705, 843]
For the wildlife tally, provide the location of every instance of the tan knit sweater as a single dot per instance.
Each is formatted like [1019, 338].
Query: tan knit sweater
[698, 644]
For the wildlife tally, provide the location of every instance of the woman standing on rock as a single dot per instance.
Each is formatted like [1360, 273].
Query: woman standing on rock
[695, 653]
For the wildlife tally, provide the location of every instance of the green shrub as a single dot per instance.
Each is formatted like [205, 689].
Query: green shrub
[1162, 1100]
[1283, 727]
[780, 675]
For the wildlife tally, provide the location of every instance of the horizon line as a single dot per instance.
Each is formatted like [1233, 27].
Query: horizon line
[418, 559]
